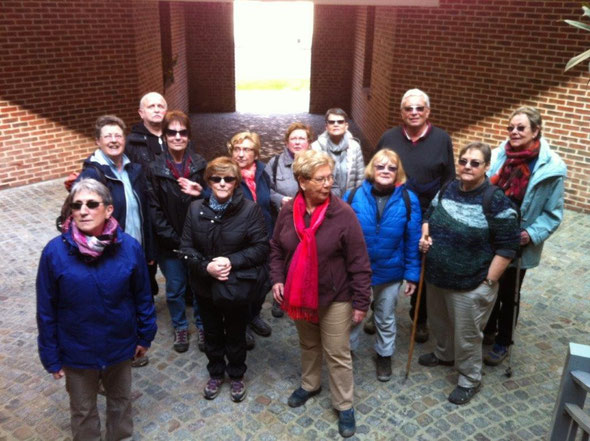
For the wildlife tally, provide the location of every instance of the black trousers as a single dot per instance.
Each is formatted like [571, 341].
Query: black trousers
[422, 311]
[501, 319]
[225, 338]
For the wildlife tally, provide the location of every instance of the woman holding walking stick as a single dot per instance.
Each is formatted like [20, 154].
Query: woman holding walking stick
[532, 176]
[471, 234]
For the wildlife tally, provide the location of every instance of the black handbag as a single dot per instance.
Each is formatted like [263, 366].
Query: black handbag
[237, 290]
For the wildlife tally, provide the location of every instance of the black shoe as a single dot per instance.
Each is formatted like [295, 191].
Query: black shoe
[250, 342]
[276, 310]
[432, 360]
[421, 333]
[383, 368]
[346, 423]
[462, 395]
[181, 340]
[260, 327]
[140, 362]
[300, 396]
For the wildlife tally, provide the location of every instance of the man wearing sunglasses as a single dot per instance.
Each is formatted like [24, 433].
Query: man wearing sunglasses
[426, 153]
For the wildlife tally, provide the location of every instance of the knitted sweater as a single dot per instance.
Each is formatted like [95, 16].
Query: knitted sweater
[464, 240]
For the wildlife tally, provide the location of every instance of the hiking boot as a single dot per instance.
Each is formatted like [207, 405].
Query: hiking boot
[250, 341]
[462, 395]
[181, 340]
[489, 339]
[140, 362]
[369, 326]
[432, 360]
[496, 355]
[383, 368]
[421, 333]
[276, 310]
[260, 327]
[346, 423]
[212, 388]
[300, 396]
[237, 390]
[201, 337]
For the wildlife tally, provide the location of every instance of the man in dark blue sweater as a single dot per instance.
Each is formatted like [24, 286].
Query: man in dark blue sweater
[426, 153]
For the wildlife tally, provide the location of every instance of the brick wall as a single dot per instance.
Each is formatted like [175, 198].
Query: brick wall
[63, 65]
[331, 58]
[177, 93]
[479, 60]
[210, 57]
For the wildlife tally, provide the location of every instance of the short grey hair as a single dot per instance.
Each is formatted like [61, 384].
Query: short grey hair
[107, 120]
[415, 92]
[147, 95]
[93, 186]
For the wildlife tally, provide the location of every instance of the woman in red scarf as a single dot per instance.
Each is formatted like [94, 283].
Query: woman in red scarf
[322, 276]
[532, 176]
[244, 148]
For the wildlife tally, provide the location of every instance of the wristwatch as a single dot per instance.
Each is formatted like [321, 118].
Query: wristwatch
[489, 282]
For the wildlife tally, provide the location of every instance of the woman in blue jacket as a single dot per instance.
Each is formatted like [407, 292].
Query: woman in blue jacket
[95, 311]
[390, 217]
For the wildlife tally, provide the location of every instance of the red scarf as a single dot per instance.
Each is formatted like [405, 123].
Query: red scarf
[301, 289]
[513, 177]
[249, 177]
[186, 162]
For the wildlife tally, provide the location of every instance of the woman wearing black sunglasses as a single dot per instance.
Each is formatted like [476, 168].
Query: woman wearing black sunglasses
[470, 233]
[226, 241]
[175, 180]
[532, 176]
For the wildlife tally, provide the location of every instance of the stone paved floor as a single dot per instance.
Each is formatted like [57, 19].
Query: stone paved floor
[167, 393]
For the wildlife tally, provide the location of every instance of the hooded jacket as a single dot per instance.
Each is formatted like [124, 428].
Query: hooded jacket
[541, 210]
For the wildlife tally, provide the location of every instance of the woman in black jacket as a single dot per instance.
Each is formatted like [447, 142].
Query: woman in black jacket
[175, 180]
[226, 237]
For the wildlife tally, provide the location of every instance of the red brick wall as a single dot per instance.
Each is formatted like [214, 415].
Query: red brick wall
[479, 60]
[63, 65]
[177, 93]
[331, 58]
[210, 57]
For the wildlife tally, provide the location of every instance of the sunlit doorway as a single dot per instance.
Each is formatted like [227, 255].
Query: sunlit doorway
[273, 56]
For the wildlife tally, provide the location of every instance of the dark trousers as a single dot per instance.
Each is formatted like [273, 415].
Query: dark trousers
[422, 316]
[501, 319]
[152, 270]
[225, 338]
[256, 305]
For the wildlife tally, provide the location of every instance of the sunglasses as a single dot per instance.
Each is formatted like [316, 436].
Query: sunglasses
[183, 133]
[336, 121]
[226, 179]
[419, 109]
[391, 168]
[518, 128]
[92, 205]
[474, 163]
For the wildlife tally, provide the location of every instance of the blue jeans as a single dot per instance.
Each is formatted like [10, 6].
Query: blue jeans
[176, 274]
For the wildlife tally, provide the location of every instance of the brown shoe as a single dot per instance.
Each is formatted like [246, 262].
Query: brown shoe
[140, 362]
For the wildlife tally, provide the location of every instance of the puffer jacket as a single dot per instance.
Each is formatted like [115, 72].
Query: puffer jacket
[239, 233]
[541, 210]
[392, 239]
[168, 204]
[93, 315]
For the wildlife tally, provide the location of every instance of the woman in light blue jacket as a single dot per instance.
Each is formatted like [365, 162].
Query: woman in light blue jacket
[532, 176]
[390, 217]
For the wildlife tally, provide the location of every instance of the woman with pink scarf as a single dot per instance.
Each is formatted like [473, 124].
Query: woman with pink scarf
[322, 277]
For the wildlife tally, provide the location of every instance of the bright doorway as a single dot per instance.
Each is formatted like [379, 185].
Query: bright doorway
[273, 56]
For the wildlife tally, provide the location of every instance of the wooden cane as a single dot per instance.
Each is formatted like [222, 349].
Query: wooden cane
[416, 310]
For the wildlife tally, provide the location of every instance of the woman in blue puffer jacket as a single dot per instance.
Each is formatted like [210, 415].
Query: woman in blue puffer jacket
[391, 218]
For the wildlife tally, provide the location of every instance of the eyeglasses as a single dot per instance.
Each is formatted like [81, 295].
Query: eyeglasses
[113, 136]
[92, 205]
[333, 122]
[300, 139]
[474, 163]
[183, 133]
[226, 179]
[418, 109]
[245, 150]
[391, 168]
[519, 128]
[323, 180]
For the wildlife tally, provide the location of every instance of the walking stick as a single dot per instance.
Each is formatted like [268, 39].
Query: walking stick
[508, 372]
[416, 310]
